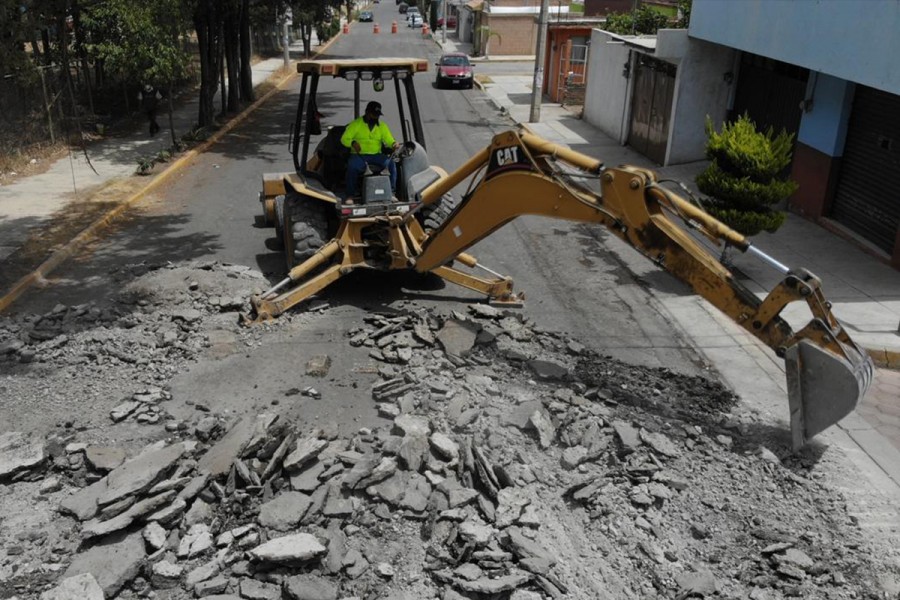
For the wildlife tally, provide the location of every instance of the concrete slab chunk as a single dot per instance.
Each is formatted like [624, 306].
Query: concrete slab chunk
[17, 453]
[306, 450]
[96, 528]
[79, 587]
[290, 548]
[102, 458]
[310, 587]
[285, 511]
[457, 337]
[218, 460]
[84, 504]
[113, 563]
[140, 473]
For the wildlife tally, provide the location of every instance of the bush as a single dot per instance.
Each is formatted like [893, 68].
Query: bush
[744, 176]
[328, 29]
[644, 20]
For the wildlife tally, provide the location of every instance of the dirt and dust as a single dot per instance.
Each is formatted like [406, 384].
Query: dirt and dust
[508, 462]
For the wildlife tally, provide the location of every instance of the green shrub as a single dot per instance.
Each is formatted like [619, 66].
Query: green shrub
[645, 20]
[744, 175]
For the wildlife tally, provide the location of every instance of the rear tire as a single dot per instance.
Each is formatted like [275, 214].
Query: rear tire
[307, 224]
[437, 213]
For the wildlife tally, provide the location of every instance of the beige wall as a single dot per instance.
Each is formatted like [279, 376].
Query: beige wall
[518, 35]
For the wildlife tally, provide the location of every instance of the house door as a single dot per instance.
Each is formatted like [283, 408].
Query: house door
[651, 107]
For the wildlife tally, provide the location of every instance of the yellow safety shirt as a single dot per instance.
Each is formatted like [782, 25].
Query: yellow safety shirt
[370, 140]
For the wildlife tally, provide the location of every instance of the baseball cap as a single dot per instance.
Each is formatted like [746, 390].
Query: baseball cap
[374, 108]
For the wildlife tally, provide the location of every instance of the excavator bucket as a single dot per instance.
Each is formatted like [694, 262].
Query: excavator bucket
[824, 387]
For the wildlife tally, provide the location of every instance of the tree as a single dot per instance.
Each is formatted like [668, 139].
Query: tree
[318, 15]
[206, 23]
[744, 175]
[684, 13]
[247, 93]
[645, 20]
[486, 33]
[140, 41]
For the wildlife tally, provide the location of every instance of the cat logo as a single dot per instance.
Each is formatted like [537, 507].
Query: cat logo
[508, 159]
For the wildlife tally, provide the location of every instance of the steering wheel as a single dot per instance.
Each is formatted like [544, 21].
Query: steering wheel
[404, 150]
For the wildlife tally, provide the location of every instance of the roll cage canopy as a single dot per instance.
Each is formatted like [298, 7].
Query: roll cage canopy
[385, 70]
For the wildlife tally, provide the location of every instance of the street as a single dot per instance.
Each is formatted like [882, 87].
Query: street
[402, 439]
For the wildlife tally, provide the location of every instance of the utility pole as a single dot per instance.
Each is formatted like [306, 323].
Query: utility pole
[539, 55]
[288, 18]
[444, 25]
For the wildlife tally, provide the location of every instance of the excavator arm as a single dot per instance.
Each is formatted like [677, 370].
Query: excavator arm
[523, 174]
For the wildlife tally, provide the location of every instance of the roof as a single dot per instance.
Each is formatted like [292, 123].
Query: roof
[524, 10]
[337, 67]
[638, 41]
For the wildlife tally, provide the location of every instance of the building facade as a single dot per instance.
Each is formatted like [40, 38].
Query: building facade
[509, 27]
[828, 72]
[825, 71]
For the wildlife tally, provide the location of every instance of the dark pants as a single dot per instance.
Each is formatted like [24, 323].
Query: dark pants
[356, 165]
[154, 126]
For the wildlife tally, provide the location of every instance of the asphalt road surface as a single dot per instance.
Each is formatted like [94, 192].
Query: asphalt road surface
[209, 211]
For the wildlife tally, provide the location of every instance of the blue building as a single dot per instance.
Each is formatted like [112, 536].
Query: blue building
[828, 71]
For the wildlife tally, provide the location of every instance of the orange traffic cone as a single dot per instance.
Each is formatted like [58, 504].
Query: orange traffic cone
[424, 29]
[394, 27]
[377, 29]
[346, 27]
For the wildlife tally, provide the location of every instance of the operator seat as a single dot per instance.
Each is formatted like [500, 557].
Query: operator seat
[334, 158]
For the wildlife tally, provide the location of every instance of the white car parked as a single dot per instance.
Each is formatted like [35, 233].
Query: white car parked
[415, 20]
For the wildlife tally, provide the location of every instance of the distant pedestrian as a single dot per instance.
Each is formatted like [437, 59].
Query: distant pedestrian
[150, 98]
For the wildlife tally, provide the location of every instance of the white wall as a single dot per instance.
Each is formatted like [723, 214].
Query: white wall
[607, 103]
[700, 90]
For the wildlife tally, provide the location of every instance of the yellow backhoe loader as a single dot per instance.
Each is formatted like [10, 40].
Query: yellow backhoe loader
[523, 174]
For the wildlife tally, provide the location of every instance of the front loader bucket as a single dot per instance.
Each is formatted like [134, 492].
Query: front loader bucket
[824, 387]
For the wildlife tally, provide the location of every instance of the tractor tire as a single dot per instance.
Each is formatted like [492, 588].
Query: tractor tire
[307, 224]
[434, 215]
[279, 222]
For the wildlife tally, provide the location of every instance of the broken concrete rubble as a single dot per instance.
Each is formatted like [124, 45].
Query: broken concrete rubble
[18, 454]
[603, 497]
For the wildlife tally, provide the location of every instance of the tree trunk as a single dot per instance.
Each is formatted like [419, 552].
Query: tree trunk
[246, 74]
[220, 56]
[206, 26]
[306, 35]
[232, 56]
[82, 55]
[45, 39]
[175, 144]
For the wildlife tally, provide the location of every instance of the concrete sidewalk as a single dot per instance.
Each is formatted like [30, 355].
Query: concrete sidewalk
[33, 201]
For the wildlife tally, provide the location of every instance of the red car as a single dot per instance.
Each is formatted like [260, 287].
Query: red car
[455, 70]
[451, 22]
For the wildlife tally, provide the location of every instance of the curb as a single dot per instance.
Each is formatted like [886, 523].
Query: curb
[885, 358]
[91, 231]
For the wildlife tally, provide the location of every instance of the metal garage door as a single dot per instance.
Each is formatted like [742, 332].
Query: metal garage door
[867, 198]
